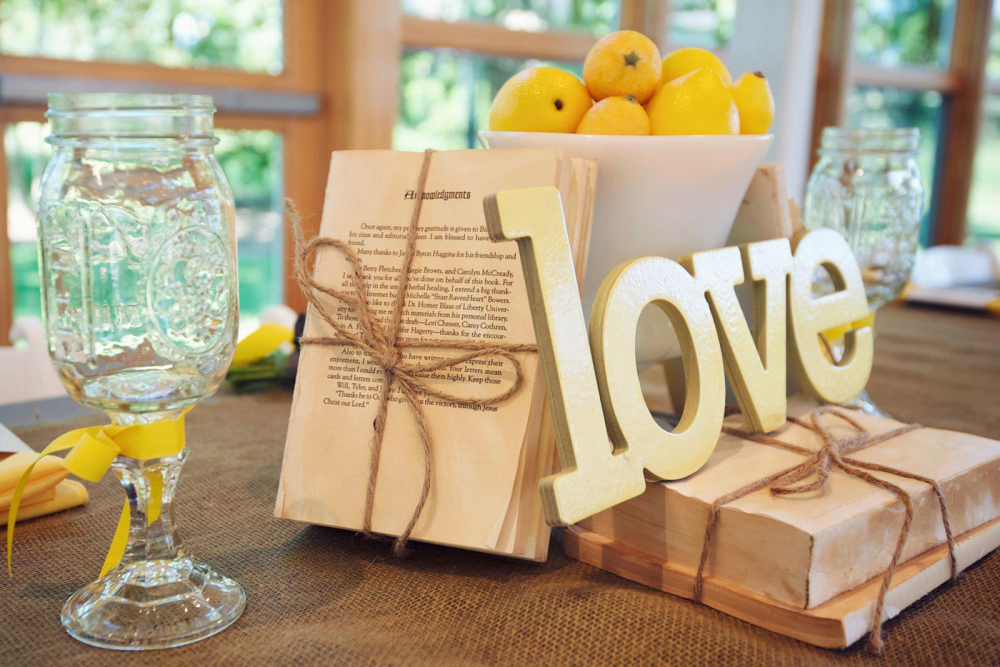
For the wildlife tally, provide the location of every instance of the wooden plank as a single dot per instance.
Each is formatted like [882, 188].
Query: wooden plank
[969, 51]
[6, 274]
[837, 623]
[906, 78]
[306, 162]
[632, 15]
[355, 63]
[495, 40]
[362, 73]
[148, 72]
[833, 76]
[242, 121]
[304, 44]
[22, 113]
[650, 17]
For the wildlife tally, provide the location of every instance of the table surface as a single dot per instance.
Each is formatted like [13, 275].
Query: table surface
[320, 595]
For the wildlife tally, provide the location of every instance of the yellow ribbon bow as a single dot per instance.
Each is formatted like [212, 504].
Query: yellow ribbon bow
[91, 452]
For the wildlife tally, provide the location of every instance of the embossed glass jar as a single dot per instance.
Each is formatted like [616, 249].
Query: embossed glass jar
[867, 186]
[138, 271]
[137, 250]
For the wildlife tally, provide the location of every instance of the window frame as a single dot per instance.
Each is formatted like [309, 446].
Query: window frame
[338, 89]
[293, 103]
[962, 85]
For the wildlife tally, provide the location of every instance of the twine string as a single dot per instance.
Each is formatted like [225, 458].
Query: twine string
[383, 343]
[813, 474]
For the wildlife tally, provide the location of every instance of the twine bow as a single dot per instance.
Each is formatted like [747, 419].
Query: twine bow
[813, 474]
[384, 345]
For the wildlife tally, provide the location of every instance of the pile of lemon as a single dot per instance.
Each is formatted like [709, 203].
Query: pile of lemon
[628, 90]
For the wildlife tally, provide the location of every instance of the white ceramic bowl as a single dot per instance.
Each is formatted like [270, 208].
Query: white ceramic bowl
[662, 196]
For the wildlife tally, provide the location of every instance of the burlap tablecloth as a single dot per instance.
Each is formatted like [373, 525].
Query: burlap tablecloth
[319, 595]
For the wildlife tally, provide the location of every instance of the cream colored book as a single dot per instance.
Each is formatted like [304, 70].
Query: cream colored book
[806, 550]
[486, 462]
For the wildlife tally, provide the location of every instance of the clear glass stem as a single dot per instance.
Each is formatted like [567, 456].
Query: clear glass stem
[149, 487]
[862, 401]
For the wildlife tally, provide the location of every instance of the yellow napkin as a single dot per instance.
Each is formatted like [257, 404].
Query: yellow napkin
[261, 343]
[46, 474]
[62, 496]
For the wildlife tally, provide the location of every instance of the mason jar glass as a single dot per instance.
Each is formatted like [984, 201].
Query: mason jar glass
[866, 185]
[137, 251]
[137, 256]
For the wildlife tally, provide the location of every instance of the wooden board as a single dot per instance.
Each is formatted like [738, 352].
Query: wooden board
[837, 623]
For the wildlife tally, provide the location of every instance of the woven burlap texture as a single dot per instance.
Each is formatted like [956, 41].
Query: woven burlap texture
[325, 596]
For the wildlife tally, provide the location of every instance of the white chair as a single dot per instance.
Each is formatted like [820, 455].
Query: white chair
[26, 373]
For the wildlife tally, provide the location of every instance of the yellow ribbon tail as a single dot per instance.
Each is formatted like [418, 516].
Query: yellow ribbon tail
[836, 333]
[118, 542]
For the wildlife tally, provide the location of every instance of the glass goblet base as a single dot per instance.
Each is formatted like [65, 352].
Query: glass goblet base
[864, 403]
[153, 604]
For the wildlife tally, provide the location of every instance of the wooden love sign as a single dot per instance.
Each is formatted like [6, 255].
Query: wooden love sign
[594, 388]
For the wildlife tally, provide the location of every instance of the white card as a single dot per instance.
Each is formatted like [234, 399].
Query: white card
[10, 443]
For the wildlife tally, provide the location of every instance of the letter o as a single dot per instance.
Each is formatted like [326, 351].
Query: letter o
[623, 295]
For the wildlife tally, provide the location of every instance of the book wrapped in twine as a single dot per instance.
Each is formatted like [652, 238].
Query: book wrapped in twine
[419, 409]
[813, 475]
[383, 344]
[820, 530]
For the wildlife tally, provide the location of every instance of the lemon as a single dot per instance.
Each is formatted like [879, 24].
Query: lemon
[697, 103]
[540, 99]
[755, 103]
[625, 62]
[615, 115]
[682, 61]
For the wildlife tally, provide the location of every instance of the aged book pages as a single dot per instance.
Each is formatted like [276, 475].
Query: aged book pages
[805, 550]
[462, 287]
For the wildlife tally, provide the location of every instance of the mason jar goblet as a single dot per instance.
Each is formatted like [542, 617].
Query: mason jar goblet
[866, 185]
[136, 227]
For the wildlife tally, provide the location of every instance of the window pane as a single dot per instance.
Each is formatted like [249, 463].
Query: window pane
[27, 154]
[704, 23]
[984, 201]
[243, 34]
[903, 32]
[886, 107]
[593, 16]
[445, 97]
[252, 162]
[993, 64]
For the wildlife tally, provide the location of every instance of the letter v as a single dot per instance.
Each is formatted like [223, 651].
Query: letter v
[756, 371]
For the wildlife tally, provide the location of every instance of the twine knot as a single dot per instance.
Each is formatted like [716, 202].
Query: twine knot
[388, 358]
[382, 343]
[814, 474]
